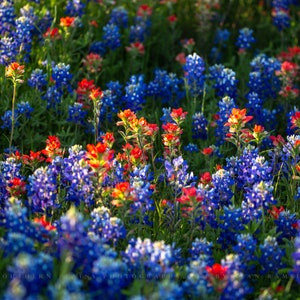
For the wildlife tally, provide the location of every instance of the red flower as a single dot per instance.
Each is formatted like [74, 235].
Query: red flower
[205, 178]
[295, 120]
[84, 87]
[275, 211]
[53, 33]
[136, 48]
[144, 10]
[47, 225]
[207, 151]
[181, 58]
[172, 19]
[16, 187]
[277, 140]
[217, 271]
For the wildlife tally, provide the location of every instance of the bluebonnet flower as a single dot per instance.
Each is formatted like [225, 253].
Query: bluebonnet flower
[23, 36]
[15, 219]
[237, 286]
[166, 117]
[31, 272]
[286, 225]
[98, 47]
[201, 247]
[8, 50]
[110, 102]
[140, 30]
[280, 14]
[140, 180]
[167, 289]
[166, 87]
[74, 240]
[257, 200]
[28, 12]
[254, 104]
[225, 107]
[199, 126]
[108, 228]
[109, 277]
[295, 272]
[221, 37]
[245, 248]
[221, 192]
[37, 79]
[7, 16]
[231, 224]
[215, 55]
[6, 120]
[119, 16]
[225, 81]
[43, 24]
[111, 36]
[177, 173]
[194, 74]
[53, 96]
[9, 169]
[262, 78]
[78, 179]
[68, 286]
[245, 39]
[24, 109]
[136, 90]
[271, 256]
[44, 185]
[196, 284]
[250, 168]
[75, 8]
[77, 114]
[191, 148]
[149, 260]
[62, 76]
[15, 243]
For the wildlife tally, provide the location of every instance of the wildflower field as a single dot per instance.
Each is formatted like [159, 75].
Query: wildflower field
[149, 149]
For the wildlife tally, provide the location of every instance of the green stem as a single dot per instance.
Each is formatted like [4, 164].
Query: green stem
[13, 115]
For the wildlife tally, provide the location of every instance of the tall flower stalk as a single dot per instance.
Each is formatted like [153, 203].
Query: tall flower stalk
[15, 73]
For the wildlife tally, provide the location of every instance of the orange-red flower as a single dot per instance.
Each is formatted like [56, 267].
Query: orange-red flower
[47, 225]
[15, 72]
[121, 193]
[52, 148]
[238, 116]
[295, 120]
[99, 156]
[208, 151]
[67, 21]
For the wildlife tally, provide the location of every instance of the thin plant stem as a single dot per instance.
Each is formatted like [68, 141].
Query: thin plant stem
[13, 115]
